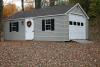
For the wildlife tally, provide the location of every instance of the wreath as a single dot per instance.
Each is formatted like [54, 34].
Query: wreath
[29, 23]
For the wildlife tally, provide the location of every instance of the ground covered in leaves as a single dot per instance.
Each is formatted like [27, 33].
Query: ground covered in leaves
[49, 54]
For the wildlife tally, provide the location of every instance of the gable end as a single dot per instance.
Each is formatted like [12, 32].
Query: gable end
[78, 6]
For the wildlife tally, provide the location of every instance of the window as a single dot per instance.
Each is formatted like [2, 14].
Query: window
[48, 21]
[82, 24]
[48, 24]
[74, 23]
[13, 26]
[78, 23]
[52, 25]
[70, 22]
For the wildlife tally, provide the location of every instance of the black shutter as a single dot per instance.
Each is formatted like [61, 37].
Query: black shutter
[43, 25]
[10, 27]
[17, 27]
[52, 25]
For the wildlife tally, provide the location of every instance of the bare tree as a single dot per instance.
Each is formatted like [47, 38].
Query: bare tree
[1, 7]
[37, 4]
[1, 13]
[52, 2]
[22, 1]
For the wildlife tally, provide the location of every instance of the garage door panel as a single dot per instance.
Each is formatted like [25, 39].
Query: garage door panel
[77, 31]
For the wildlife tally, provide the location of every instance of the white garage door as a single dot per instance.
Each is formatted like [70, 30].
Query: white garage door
[77, 27]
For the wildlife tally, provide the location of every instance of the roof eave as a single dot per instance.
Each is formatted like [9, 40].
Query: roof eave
[41, 16]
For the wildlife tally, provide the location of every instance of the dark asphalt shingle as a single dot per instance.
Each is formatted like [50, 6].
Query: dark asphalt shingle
[43, 11]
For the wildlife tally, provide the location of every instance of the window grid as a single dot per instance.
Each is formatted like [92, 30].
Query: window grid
[14, 26]
[82, 24]
[76, 23]
[70, 22]
[48, 24]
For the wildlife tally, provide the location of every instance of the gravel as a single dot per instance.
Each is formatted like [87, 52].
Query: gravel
[49, 54]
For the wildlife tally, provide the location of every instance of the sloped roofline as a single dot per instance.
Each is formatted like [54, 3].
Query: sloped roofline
[80, 8]
[62, 13]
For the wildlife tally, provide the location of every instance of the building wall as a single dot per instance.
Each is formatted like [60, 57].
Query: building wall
[61, 32]
[14, 35]
[87, 29]
[77, 11]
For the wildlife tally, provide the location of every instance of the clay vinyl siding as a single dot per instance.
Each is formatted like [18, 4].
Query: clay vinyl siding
[60, 33]
[20, 35]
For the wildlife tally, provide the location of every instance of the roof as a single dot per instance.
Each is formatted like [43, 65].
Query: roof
[43, 11]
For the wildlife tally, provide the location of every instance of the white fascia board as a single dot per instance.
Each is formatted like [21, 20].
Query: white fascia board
[19, 18]
[80, 8]
[38, 16]
[76, 14]
[83, 10]
[50, 15]
[16, 19]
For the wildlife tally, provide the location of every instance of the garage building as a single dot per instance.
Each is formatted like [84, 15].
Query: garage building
[57, 23]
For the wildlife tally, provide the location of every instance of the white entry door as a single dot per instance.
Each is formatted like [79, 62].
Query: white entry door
[29, 29]
[77, 27]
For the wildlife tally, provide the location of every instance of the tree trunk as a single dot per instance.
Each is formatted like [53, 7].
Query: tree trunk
[1, 13]
[37, 4]
[52, 2]
[22, 1]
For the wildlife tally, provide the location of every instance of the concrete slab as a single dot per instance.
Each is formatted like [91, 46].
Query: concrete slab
[83, 41]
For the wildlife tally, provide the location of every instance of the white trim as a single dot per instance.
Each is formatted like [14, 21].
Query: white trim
[76, 14]
[70, 9]
[39, 16]
[80, 8]
[83, 10]
[53, 32]
[16, 19]
[51, 36]
[50, 15]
